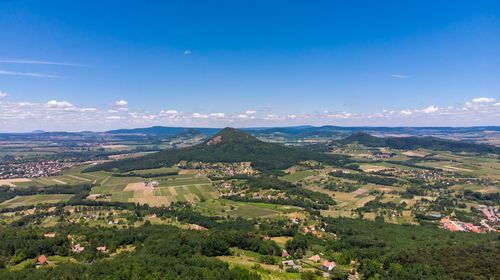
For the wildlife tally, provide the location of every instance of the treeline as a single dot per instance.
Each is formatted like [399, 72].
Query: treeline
[367, 179]
[7, 193]
[295, 195]
[411, 143]
[490, 198]
[146, 174]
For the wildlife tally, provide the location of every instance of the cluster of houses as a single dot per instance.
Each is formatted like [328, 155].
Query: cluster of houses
[379, 156]
[455, 226]
[34, 169]
[492, 218]
[220, 169]
[296, 265]
[313, 231]
[75, 248]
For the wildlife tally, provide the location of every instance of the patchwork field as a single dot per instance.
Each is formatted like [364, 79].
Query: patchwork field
[156, 191]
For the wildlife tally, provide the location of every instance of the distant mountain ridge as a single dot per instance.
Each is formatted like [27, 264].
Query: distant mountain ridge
[412, 142]
[163, 131]
[228, 145]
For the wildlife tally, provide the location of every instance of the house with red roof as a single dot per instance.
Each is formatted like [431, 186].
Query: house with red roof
[41, 261]
[315, 258]
[327, 266]
[284, 254]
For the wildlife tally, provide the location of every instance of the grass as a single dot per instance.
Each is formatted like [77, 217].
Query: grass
[156, 171]
[243, 209]
[183, 182]
[34, 200]
[297, 176]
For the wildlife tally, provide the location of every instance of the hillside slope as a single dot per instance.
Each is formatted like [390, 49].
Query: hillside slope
[229, 145]
[432, 143]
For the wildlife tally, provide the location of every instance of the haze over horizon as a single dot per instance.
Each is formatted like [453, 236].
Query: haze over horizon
[97, 66]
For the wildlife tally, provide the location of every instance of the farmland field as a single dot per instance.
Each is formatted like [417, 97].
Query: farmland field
[34, 199]
[297, 176]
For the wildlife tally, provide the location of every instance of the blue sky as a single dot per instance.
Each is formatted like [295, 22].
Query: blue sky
[74, 65]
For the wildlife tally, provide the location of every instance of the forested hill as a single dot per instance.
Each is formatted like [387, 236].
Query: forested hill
[419, 142]
[229, 145]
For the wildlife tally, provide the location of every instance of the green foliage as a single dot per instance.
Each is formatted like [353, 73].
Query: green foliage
[366, 179]
[415, 252]
[233, 146]
[410, 143]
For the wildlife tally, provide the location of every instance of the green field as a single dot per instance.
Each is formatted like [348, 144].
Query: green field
[156, 171]
[34, 199]
[244, 209]
[297, 176]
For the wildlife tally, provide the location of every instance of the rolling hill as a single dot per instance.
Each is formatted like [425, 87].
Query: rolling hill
[432, 143]
[229, 145]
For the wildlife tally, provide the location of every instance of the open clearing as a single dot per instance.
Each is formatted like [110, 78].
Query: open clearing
[372, 168]
[415, 154]
[297, 176]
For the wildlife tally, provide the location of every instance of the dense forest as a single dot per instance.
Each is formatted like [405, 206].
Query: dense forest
[383, 251]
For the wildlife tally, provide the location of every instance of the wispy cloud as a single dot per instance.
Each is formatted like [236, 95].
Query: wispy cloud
[187, 52]
[400, 76]
[3, 94]
[28, 74]
[42, 62]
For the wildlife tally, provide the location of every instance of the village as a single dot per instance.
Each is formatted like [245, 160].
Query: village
[490, 223]
[34, 169]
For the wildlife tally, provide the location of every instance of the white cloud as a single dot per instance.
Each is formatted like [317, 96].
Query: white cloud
[406, 112]
[113, 118]
[121, 103]
[3, 94]
[59, 104]
[187, 52]
[63, 115]
[430, 109]
[399, 76]
[218, 115]
[250, 112]
[28, 74]
[168, 112]
[199, 116]
[341, 115]
[484, 100]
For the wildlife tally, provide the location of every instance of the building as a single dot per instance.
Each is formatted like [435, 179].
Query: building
[49, 235]
[101, 249]
[284, 254]
[315, 258]
[78, 248]
[290, 264]
[196, 227]
[327, 266]
[41, 261]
